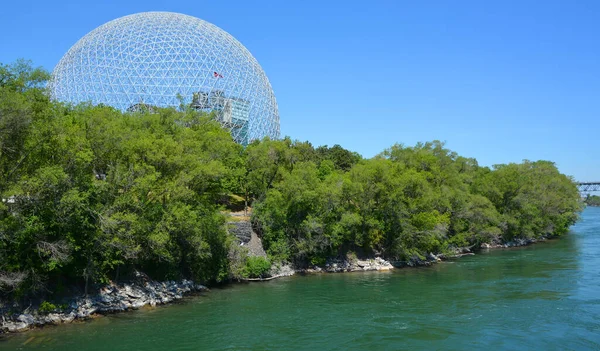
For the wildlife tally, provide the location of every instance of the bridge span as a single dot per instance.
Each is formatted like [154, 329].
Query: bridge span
[588, 187]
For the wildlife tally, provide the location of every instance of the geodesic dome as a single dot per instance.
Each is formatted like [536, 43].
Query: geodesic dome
[163, 59]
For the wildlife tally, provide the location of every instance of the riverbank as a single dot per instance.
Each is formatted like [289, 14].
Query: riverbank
[338, 265]
[142, 291]
[492, 299]
[379, 264]
[110, 299]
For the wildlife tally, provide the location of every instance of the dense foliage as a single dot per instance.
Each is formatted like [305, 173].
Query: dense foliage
[89, 192]
[407, 202]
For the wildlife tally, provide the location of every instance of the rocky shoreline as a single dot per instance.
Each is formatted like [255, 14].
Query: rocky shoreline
[379, 264]
[512, 243]
[345, 265]
[110, 299]
[144, 292]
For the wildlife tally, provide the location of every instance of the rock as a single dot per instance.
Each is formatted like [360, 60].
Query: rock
[138, 304]
[52, 318]
[14, 327]
[84, 311]
[111, 298]
[432, 257]
[352, 265]
[105, 299]
[26, 318]
[68, 318]
[135, 294]
[199, 287]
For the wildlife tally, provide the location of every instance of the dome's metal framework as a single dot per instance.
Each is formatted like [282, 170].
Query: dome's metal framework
[163, 59]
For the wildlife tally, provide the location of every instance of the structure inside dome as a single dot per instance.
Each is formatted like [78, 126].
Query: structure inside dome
[157, 59]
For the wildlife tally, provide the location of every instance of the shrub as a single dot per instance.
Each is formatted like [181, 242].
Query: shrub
[351, 257]
[318, 261]
[47, 307]
[257, 267]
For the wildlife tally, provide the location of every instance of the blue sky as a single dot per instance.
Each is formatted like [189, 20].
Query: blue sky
[499, 81]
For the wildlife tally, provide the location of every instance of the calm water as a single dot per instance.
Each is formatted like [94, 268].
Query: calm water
[544, 297]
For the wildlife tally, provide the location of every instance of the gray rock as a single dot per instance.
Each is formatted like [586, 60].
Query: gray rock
[432, 257]
[26, 318]
[68, 318]
[14, 327]
[111, 298]
[52, 318]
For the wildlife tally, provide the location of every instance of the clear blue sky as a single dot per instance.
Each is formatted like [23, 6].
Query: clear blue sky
[500, 81]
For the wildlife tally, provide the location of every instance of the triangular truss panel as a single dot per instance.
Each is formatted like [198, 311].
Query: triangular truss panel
[157, 59]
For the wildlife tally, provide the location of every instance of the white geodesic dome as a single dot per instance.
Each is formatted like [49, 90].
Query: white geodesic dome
[161, 59]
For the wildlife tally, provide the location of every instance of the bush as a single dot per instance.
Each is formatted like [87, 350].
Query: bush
[238, 257]
[47, 307]
[318, 261]
[351, 257]
[257, 267]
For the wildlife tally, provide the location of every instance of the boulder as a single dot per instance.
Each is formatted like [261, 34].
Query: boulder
[26, 318]
[14, 327]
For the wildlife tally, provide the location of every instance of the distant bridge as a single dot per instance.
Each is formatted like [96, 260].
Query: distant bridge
[588, 187]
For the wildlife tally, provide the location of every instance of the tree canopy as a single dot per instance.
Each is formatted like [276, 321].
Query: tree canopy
[90, 192]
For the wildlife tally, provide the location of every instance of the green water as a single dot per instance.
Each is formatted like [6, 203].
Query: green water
[543, 297]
